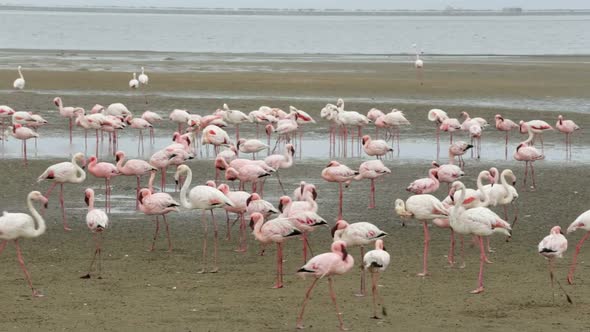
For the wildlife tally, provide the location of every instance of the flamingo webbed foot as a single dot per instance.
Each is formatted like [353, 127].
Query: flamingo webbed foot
[37, 294]
[201, 271]
[477, 290]
[423, 274]
[570, 279]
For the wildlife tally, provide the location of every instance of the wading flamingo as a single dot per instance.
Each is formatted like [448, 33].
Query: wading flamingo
[19, 83]
[581, 222]
[278, 161]
[529, 154]
[133, 167]
[425, 185]
[437, 116]
[336, 172]
[23, 133]
[371, 170]
[567, 127]
[134, 83]
[14, 226]
[377, 148]
[538, 127]
[505, 125]
[376, 261]
[458, 149]
[106, 171]
[97, 221]
[158, 204]
[553, 246]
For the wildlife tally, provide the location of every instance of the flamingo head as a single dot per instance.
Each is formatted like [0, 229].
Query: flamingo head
[119, 155]
[220, 163]
[211, 183]
[255, 218]
[180, 170]
[333, 163]
[284, 201]
[79, 158]
[253, 197]
[499, 117]
[291, 149]
[379, 244]
[88, 195]
[128, 119]
[340, 247]
[35, 195]
[556, 230]
[224, 188]
[57, 101]
[92, 159]
[366, 138]
[340, 224]
[231, 174]
[435, 164]
[269, 129]
[143, 193]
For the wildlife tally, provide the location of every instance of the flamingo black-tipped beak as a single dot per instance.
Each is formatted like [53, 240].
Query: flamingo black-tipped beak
[248, 200]
[333, 230]
[86, 200]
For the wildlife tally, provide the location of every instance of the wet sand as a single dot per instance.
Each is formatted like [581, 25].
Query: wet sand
[162, 291]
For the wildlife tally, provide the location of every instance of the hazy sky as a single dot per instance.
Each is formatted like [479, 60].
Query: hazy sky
[345, 4]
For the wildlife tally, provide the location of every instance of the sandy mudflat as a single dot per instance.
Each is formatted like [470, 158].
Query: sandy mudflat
[160, 291]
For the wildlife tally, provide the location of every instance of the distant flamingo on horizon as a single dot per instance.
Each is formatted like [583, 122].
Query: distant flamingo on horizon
[567, 127]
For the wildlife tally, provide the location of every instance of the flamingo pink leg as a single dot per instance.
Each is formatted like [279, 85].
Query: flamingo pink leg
[205, 231]
[22, 265]
[339, 200]
[570, 275]
[63, 208]
[279, 282]
[333, 297]
[451, 255]
[215, 244]
[307, 294]
[425, 254]
[482, 258]
[155, 234]
[228, 233]
[168, 233]
[375, 293]
[362, 291]
[304, 247]
[372, 195]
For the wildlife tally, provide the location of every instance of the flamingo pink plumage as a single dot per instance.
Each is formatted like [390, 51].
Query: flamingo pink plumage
[567, 127]
[537, 127]
[105, 171]
[240, 207]
[505, 125]
[278, 161]
[336, 172]
[335, 262]
[158, 204]
[14, 226]
[377, 148]
[372, 170]
[425, 185]
[458, 149]
[97, 221]
[581, 222]
[133, 167]
[376, 261]
[529, 154]
[437, 116]
[23, 133]
[553, 246]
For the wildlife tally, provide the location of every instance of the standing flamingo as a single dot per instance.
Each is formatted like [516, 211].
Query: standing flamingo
[140, 124]
[425, 185]
[458, 149]
[537, 127]
[479, 221]
[251, 146]
[23, 133]
[277, 231]
[418, 64]
[202, 198]
[423, 207]
[278, 161]
[552, 246]
[437, 116]
[358, 234]
[336, 262]
[505, 125]
[97, 221]
[143, 78]
[240, 206]
[158, 204]
[448, 173]
[235, 117]
[65, 172]
[180, 117]
[134, 83]
[371, 170]
[376, 261]
[567, 127]
[19, 83]
[152, 118]
[133, 167]
[106, 171]
[377, 148]
[529, 154]
[336, 172]
[581, 222]
[68, 112]
[14, 226]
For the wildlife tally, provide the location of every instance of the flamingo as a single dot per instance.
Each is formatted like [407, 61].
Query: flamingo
[336, 172]
[158, 204]
[5, 112]
[303, 188]
[458, 149]
[303, 215]
[335, 262]
[350, 119]
[425, 185]
[537, 127]
[255, 203]
[19, 83]
[23, 133]
[248, 173]
[152, 118]
[215, 136]
[133, 167]
[448, 173]
[106, 171]
[372, 170]
[64, 172]
[202, 198]
[504, 193]
[143, 78]
[68, 112]
[376, 261]
[437, 116]
[277, 231]
[475, 132]
[423, 207]
[529, 154]
[505, 125]
[567, 127]
[450, 125]
[240, 202]
[418, 64]
[468, 121]
[97, 221]
[392, 121]
[553, 246]
[140, 124]
[179, 116]
[14, 226]
[581, 222]
[377, 148]
[134, 83]
[479, 221]
[118, 110]
[250, 146]
[235, 117]
[357, 234]
[278, 161]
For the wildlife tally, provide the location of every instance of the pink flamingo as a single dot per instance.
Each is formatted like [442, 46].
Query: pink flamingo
[336, 172]
[567, 127]
[278, 161]
[158, 204]
[106, 171]
[553, 246]
[528, 153]
[458, 149]
[392, 122]
[255, 203]
[373, 114]
[161, 160]
[376, 261]
[303, 215]
[450, 125]
[358, 234]
[240, 206]
[251, 146]
[300, 191]
[475, 132]
[425, 185]
[437, 116]
[215, 136]
[14, 226]
[97, 221]
[23, 133]
[248, 173]
[377, 148]
[448, 173]
[68, 112]
[423, 207]
[277, 231]
[505, 125]
[202, 198]
[152, 118]
[538, 127]
[140, 124]
[479, 221]
[581, 222]
[419, 65]
[133, 167]
[336, 262]
[372, 170]
[65, 172]
[6, 112]
[181, 117]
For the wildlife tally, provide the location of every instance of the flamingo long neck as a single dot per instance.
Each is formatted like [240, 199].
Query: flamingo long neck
[91, 203]
[151, 181]
[142, 71]
[462, 195]
[486, 198]
[80, 174]
[120, 162]
[530, 139]
[20, 73]
[183, 191]
[451, 158]
[37, 218]
[289, 161]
